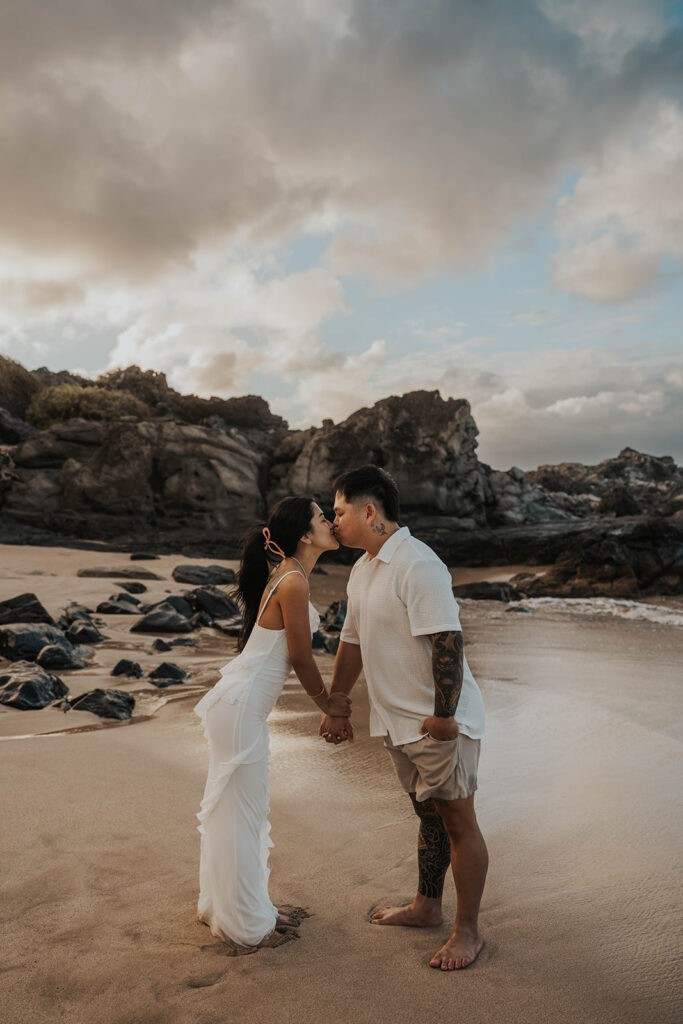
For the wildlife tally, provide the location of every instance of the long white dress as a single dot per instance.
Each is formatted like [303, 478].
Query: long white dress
[233, 818]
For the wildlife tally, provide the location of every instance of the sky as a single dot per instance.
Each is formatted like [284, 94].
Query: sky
[326, 202]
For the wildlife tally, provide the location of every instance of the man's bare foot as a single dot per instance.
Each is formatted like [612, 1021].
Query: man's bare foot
[412, 916]
[461, 950]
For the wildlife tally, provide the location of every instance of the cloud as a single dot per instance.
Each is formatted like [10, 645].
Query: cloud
[625, 214]
[421, 133]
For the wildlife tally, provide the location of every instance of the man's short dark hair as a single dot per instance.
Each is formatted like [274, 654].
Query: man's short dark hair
[370, 482]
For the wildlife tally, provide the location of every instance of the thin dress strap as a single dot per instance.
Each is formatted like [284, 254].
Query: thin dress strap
[271, 592]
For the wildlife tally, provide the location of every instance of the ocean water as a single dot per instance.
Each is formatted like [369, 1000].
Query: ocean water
[634, 610]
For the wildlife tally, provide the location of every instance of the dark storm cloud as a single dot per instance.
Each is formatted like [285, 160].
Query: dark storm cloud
[134, 133]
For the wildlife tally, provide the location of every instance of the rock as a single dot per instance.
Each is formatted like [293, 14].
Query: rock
[75, 612]
[143, 556]
[333, 619]
[55, 656]
[105, 703]
[318, 641]
[125, 667]
[80, 632]
[174, 601]
[164, 619]
[213, 601]
[24, 608]
[518, 608]
[332, 643]
[133, 587]
[181, 483]
[203, 574]
[179, 641]
[486, 591]
[125, 572]
[624, 561]
[24, 641]
[167, 674]
[28, 687]
[116, 607]
[231, 627]
[618, 501]
[13, 430]
[318, 570]
[629, 484]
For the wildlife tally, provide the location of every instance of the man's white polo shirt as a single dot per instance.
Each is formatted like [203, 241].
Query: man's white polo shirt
[395, 600]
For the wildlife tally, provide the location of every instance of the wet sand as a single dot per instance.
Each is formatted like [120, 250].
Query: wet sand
[579, 778]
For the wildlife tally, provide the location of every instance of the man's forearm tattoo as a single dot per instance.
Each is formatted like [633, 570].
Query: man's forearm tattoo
[447, 667]
[433, 849]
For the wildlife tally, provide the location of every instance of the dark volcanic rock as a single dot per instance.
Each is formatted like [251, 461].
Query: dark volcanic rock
[174, 601]
[333, 619]
[28, 687]
[23, 641]
[231, 627]
[105, 703]
[630, 483]
[124, 572]
[163, 620]
[318, 641]
[13, 430]
[203, 574]
[125, 667]
[24, 608]
[55, 656]
[82, 632]
[143, 556]
[133, 587]
[485, 591]
[178, 641]
[119, 604]
[75, 612]
[213, 601]
[635, 557]
[167, 674]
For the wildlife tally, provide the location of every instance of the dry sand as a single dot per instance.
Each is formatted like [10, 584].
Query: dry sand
[579, 777]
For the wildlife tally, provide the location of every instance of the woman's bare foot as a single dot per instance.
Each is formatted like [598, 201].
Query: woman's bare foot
[415, 915]
[277, 938]
[461, 950]
[290, 917]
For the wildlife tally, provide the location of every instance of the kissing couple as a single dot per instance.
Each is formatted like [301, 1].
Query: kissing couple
[402, 629]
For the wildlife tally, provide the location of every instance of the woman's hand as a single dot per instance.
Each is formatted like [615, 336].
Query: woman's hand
[336, 729]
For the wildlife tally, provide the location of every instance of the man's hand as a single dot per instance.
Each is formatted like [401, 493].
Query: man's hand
[336, 729]
[440, 728]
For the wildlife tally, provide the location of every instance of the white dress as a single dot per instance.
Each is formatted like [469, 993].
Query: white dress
[233, 818]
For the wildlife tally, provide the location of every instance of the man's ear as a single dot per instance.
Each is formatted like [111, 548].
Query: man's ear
[370, 511]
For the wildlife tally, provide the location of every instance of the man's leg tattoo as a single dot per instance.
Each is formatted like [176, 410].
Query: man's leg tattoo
[433, 849]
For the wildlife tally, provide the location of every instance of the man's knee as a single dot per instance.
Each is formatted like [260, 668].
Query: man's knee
[457, 815]
[425, 809]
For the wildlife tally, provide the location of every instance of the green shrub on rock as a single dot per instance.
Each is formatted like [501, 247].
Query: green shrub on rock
[17, 386]
[68, 401]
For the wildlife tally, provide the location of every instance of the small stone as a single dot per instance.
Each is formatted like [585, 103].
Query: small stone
[105, 703]
[125, 667]
[28, 687]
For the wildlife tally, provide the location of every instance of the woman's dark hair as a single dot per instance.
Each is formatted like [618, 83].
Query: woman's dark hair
[370, 482]
[287, 522]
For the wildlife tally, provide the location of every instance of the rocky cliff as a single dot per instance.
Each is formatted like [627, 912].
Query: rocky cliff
[191, 474]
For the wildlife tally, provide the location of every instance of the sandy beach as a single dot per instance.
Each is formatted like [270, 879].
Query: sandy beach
[579, 781]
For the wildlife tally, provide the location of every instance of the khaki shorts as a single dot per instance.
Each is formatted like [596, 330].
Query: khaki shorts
[446, 769]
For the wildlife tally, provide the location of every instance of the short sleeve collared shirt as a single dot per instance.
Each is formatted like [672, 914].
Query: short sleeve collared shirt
[395, 601]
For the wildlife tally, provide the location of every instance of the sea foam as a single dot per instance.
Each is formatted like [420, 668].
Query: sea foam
[622, 609]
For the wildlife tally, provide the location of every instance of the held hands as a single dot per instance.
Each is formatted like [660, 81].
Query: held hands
[440, 728]
[336, 724]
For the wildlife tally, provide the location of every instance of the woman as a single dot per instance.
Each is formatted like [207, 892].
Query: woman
[276, 637]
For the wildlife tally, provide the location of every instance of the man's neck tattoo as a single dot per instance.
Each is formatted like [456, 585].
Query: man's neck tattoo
[379, 528]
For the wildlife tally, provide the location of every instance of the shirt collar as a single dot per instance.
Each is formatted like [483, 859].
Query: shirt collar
[386, 552]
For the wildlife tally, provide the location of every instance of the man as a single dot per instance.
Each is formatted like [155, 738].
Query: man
[403, 628]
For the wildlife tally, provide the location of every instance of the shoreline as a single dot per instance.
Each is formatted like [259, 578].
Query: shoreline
[578, 774]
